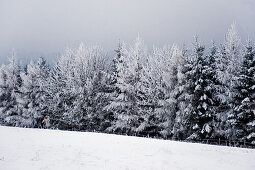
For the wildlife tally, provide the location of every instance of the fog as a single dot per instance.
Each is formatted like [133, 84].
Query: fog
[46, 27]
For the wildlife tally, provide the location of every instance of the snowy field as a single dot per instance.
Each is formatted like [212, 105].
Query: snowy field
[39, 149]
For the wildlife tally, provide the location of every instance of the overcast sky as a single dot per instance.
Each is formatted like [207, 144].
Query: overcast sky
[46, 27]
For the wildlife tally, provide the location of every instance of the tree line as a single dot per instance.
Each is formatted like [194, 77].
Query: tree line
[173, 93]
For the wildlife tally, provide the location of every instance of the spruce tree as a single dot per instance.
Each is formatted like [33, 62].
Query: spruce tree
[228, 64]
[168, 64]
[243, 116]
[182, 97]
[34, 80]
[199, 99]
[10, 93]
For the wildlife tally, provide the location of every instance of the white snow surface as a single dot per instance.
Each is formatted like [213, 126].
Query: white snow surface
[39, 149]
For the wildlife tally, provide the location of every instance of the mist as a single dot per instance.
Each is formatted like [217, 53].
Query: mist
[45, 28]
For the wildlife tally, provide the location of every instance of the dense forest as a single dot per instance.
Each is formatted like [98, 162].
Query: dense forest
[170, 92]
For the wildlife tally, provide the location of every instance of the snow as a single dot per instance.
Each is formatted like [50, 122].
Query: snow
[252, 135]
[252, 123]
[33, 149]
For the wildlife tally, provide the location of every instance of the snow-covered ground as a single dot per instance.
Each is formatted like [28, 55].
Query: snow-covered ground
[34, 149]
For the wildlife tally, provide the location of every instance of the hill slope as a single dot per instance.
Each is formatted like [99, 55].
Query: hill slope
[34, 149]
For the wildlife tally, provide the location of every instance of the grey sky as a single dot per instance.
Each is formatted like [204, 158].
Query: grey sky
[46, 27]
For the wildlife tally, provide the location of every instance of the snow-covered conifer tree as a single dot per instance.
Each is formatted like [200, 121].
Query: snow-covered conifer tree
[195, 92]
[77, 88]
[182, 97]
[132, 104]
[10, 94]
[202, 74]
[228, 64]
[243, 103]
[59, 97]
[118, 101]
[34, 80]
[167, 68]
